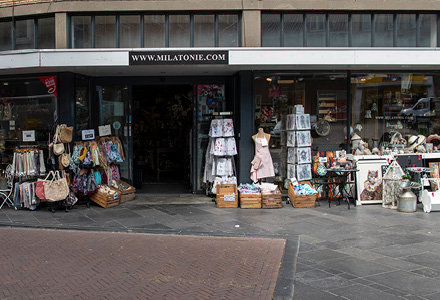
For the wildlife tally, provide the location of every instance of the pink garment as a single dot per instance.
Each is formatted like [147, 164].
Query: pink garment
[262, 165]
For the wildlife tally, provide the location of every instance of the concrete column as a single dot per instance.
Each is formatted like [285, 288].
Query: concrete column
[251, 28]
[61, 35]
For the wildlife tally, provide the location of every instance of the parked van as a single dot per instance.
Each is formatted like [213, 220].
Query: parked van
[424, 107]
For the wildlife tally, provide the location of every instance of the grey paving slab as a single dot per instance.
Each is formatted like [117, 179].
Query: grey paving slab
[355, 266]
[363, 292]
[407, 282]
[428, 259]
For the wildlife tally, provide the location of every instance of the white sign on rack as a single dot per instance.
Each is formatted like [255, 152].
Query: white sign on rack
[88, 134]
[28, 135]
[105, 130]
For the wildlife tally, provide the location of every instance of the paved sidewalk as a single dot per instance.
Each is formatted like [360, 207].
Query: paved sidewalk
[367, 252]
[66, 264]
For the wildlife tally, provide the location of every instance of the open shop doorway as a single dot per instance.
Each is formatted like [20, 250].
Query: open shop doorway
[162, 126]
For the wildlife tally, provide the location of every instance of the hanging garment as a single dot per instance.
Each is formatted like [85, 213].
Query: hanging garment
[216, 129]
[228, 127]
[262, 165]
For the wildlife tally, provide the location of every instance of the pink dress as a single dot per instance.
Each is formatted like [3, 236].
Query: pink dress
[262, 165]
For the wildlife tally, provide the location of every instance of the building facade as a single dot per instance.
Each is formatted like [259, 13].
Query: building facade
[156, 71]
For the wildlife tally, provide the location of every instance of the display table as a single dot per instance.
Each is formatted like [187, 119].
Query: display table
[338, 184]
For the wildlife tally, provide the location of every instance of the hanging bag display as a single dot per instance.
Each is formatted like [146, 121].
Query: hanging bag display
[39, 190]
[57, 188]
[65, 133]
[58, 147]
[65, 158]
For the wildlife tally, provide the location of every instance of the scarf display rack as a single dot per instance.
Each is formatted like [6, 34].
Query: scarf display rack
[28, 162]
[219, 158]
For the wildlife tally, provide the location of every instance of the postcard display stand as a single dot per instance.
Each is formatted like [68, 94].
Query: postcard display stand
[299, 142]
[219, 163]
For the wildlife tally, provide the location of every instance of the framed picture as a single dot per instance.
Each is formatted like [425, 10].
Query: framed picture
[291, 171]
[290, 122]
[291, 155]
[303, 172]
[369, 181]
[290, 138]
[303, 155]
[302, 122]
[303, 138]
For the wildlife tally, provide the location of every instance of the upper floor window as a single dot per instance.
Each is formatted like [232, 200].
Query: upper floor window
[349, 30]
[31, 33]
[155, 30]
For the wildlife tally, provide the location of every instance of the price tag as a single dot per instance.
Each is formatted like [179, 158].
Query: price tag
[88, 134]
[425, 182]
[322, 159]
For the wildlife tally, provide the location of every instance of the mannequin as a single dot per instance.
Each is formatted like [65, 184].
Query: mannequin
[262, 165]
[261, 134]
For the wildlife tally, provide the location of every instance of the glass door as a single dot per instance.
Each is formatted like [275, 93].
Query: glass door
[114, 110]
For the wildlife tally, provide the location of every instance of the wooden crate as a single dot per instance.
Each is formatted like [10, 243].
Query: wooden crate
[250, 200]
[227, 196]
[128, 194]
[301, 200]
[106, 200]
[272, 200]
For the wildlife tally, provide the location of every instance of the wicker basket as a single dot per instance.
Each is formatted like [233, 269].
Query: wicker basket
[301, 200]
[106, 200]
[126, 194]
[227, 196]
[250, 200]
[272, 200]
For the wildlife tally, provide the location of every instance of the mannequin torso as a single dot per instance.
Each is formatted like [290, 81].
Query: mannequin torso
[261, 134]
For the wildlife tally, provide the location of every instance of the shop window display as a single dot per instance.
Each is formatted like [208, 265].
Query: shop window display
[324, 98]
[26, 105]
[390, 109]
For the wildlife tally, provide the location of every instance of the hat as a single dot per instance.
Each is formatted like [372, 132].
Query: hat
[415, 140]
[433, 139]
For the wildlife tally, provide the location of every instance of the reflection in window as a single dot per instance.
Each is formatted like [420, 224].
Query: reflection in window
[5, 35]
[130, 31]
[270, 30]
[24, 34]
[81, 32]
[361, 30]
[338, 30]
[293, 28]
[46, 33]
[180, 30]
[204, 31]
[154, 31]
[105, 31]
[406, 30]
[428, 30]
[228, 31]
[383, 30]
[315, 25]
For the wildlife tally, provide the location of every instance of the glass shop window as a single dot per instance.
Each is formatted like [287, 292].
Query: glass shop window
[154, 31]
[105, 32]
[46, 33]
[360, 30]
[130, 31]
[24, 34]
[228, 31]
[427, 30]
[5, 35]
[204, 31]
[27, 110]
[391, 105]
[324, 98]
[180, 31]
[81, 31]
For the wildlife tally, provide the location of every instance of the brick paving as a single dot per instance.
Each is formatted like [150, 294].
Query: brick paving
[70, 264]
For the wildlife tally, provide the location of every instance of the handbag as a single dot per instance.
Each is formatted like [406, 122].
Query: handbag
[58, 147]
[39, 189]
[65, 158]
[65, 133]
[57, 188]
